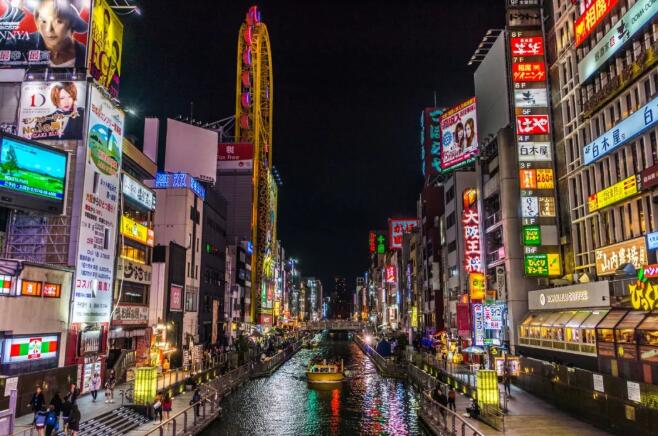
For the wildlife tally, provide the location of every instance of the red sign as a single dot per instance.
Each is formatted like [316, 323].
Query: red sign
[176, 298]
[591, 18]
[650, 271]
[532, 125]
[463, 320]
[390, 274]
[372, 242]
[265, 320]
[235, 156]
[529, 46]
[471, 226]
[397, 228]
[528, 72]
[650, 177]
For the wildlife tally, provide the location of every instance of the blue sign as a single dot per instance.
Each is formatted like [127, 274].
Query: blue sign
[180, 180]
[652, 241]
[637, 123]
[631, 23]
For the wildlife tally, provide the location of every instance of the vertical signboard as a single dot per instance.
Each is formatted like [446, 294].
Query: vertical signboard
[430, 142]
[459, 142]
[471, 228]
[397, 228]
[106, 47]
[478, 324]
[92, 301]
[527, 72]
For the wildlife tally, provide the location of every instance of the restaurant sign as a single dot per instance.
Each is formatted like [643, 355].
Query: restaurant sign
[609, 258]
[594, 294]
[615, 193]
[133, 272]
[130, 315]
[652, 241]
[649, 177]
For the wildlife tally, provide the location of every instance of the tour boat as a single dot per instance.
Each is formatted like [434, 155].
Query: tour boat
[325, 372]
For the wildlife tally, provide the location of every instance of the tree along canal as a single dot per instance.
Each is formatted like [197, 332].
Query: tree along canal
[284, 404]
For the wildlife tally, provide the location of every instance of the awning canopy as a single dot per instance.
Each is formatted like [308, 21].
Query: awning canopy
[578, 318]
[561, 321]
[632, 320]
[611, 319]
[592, 320]
[650, 323]
[565, 318]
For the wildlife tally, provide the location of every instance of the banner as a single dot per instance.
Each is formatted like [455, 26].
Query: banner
[105, 47]
[92, 300]
[52, 110]
[459, 142]
[44, 33]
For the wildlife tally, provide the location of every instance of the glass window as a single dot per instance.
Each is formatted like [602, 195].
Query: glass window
[134, 293]
[133, 253]
[625, 330]
[648, 330]
[190, 301]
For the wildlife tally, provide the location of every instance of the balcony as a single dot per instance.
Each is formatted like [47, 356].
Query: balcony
[496, 257]
[491, 220]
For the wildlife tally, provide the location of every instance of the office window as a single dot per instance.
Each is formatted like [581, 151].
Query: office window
[450, 220]
[191, 298]
[452, 246]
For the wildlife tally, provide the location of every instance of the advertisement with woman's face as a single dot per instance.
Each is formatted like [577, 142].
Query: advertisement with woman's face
[50, 33]
[52, 110]
[459, 142]
[105, 47]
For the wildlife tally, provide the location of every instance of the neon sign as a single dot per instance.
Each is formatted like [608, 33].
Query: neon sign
[591, 18]
[471, 226]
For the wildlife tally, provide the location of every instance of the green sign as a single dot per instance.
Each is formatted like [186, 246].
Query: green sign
[531, 235]
[536, 265]
[381, 244]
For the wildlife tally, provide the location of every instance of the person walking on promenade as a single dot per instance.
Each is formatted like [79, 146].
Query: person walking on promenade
[40, 420]
[196, 401]
[37, 401]
[157, 409]
[52, 421]
[74, 420]
[57, 403]
[73, 394]
[166, 405]
[94, 386]
[452, 396]
[110, 384]
[507, 381]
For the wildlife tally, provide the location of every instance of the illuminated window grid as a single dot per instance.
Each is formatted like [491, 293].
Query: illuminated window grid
[6, 284]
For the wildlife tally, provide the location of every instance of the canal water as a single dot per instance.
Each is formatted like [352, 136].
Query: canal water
[284, 404]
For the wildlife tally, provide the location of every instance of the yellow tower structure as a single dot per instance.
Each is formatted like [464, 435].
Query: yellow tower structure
[253, 124]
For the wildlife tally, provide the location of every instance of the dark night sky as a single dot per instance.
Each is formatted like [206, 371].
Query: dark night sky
[350, 81]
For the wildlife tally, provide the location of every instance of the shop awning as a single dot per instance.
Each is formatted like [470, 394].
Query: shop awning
[563, 318]
[527, 321]
[578, 318]
[632, 319]
[611, 320]
[650, 322]
[592, 320]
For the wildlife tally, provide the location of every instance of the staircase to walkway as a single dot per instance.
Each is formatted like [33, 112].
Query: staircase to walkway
[113, 423]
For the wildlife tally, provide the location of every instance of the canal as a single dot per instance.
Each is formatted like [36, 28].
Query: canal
[284, 404]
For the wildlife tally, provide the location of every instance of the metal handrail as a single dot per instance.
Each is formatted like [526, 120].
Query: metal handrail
[447, 415]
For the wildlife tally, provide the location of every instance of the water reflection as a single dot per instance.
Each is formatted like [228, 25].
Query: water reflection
[284, 404]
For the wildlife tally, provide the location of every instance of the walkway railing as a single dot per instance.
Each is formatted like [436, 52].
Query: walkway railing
[336, 324]
[387, 366]
[267, 366]
[444, 419]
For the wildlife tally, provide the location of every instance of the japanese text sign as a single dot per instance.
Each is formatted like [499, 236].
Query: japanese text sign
[532, 125]
[471, 229]
[397, 228]
[459, 142]
[590, 18]
[542, 265]
[613, 194]
[527, 46]
[390, 274]
[609, 258]
[528, 72]
[478, 324]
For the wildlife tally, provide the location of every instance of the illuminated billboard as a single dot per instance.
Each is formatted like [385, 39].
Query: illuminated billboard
[52, 110]
[528, 72]
[632, 126]
[137, 232]
[590, 18]
[532, 125]
[527, 46]
[105, 47]
[542, 265]
[611, 195]
[609, 258]
[641, 13]
[535, 152]
[377, 242]
[391, 276]
[459, 141]
[93, 286]
[397, 228]
[430, 142]
[34, 172]
[532, 97]
[471, 229]
[235, 156]
[48, 33]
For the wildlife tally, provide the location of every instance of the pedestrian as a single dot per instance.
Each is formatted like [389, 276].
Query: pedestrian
[452, 396]
[52, 421]
[94, 386]
[37, 401]
[66, 413]
[56, 402]
[110, 384]
[73, 394]
[166, 405]
[74, 420]
[507, 381]
[157, 409]
[40, 420]
[196, 401]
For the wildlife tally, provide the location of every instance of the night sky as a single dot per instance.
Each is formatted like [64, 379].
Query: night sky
[350, 81]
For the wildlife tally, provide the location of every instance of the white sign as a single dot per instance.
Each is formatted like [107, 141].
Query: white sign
[632, 22]
[478, 324]
[493, 316]
[652, 241]
[598, 382]
[594, 294]
[535, 97]
[133, 272]
[11, 384]
[634, 391]
[635, 124]
[138, 192]
[529, 207]
[535, 152]
[92, 299]
[130, 314]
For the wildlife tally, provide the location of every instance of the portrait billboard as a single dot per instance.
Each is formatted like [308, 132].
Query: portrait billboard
[48, 33]
[105, 47]
[459, 142]
[235, 156]
[52, 110]
[32, 175]
[92, 301]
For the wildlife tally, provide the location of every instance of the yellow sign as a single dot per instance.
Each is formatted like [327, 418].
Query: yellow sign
[644, 295]
[414, 317]
[477, 285]
[105, 47]
[487, 387]
[136, 231]
[613, 194]
[545, 179]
